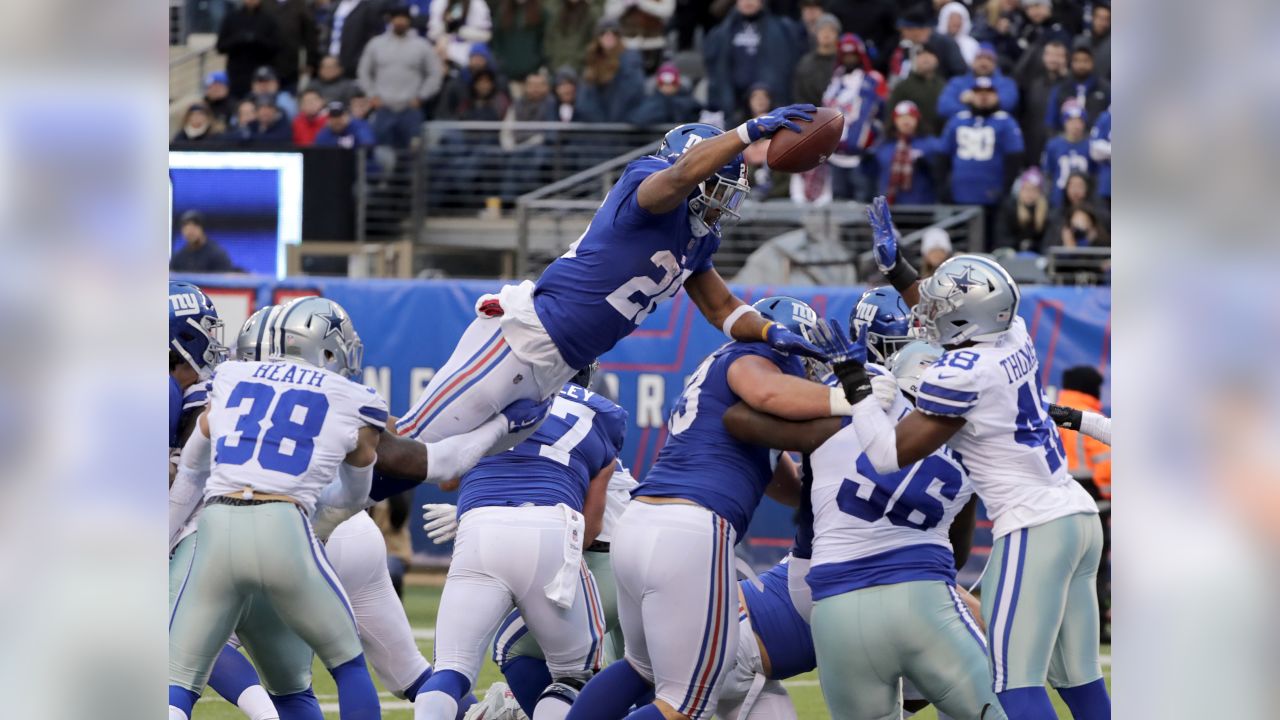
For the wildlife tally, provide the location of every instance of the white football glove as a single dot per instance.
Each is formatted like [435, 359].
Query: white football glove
[885, 390]
[441, 522]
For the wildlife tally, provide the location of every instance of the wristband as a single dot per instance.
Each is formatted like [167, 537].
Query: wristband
[764, 331]
[901, 276]
[840, 405]
[853, 380]
[727, 326]
[743, 134]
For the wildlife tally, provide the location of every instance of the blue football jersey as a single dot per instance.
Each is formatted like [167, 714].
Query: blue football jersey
[175, 411]
[977, 145]
[701, 461]
[581, 436]
[626, 263]
[786, 636]
[1061, 158]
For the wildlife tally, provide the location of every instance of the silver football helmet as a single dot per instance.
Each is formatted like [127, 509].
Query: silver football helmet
[319, 332]
[254, 342]
[969, 297]
[909, 363]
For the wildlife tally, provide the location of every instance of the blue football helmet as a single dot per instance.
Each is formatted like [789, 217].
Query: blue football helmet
[723, 191]
[888, 321]
[791, 313]
[195, 330]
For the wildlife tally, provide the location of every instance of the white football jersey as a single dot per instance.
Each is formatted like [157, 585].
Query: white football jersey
[284, 427]
[1009, 444]
[617, 496]
[859, 513]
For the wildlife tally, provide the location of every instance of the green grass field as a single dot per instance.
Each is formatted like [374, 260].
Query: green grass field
[421, 602]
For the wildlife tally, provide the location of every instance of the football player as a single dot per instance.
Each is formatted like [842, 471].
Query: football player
[673, 549]
[358, 554]
[515, 651]
[883, 568]
[655, 232]
[258, 568]
[983, 399]
[195, 349]
[524, 518]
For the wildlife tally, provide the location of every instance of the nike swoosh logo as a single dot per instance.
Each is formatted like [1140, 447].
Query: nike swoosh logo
[945, 377]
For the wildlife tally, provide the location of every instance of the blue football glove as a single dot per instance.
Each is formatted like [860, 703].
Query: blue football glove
[766, 125]
[523, 414]
[848, 356]
[835, 343]
[783, 340]
[885, 238]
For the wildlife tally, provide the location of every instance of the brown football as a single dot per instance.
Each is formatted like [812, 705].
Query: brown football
[794, 152]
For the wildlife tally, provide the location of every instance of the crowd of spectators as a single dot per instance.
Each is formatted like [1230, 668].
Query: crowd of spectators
[1004, 104]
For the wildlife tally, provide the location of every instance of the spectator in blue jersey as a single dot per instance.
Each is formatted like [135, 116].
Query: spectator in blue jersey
[1068, 152]
[670, 103]
[269, 126]
[856, 91]
[342, 130]
[1100, 152]
[612, 78]
[1082, 85]
[985, 147]
[751, 45]
[906, 168]
[955, 96]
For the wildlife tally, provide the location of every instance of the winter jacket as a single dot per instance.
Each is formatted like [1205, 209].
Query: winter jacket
[964, 39]
[249, 39]
[616, 100]
[297, 33]
[566, 34]
[277, 133]
[659, 109]
[364, 23]
[306, 128]
[812, 76]
[924, 92]
[519, 47]
[357, 134]
[782, 42]
[1094, 93]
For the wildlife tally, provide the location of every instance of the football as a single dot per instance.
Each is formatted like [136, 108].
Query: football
[802, 151]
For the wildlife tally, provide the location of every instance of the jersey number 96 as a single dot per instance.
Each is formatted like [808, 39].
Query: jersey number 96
[920, 505]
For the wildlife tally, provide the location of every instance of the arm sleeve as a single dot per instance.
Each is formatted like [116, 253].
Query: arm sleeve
[948, 391]
[188, 486]
[350, 490]
[364, 71]
[1092, 424]
[372, 408]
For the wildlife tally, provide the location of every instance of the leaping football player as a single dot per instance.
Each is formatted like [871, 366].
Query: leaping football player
[983, 399]
[655, 232]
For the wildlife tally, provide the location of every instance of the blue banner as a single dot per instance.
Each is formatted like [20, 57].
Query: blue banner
[409, 328]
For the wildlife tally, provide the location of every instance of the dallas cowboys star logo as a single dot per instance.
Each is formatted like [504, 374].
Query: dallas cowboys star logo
[334, 322]
[964, 280]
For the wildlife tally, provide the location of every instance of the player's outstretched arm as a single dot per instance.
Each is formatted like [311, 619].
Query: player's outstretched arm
[665, 190]
[740, 321]
[1092, 424]
[757, 428]
[760, 384]
[889, 260]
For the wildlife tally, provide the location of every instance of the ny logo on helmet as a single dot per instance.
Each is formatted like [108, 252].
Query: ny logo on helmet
[184, 304]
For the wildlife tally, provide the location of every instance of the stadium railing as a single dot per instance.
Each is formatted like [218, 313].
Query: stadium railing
[1079, 265]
